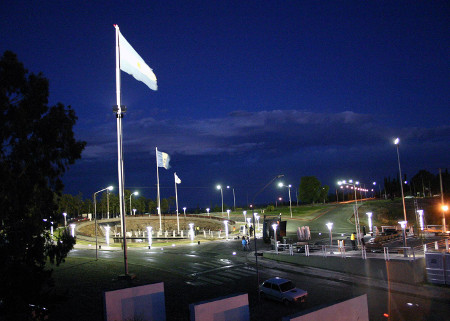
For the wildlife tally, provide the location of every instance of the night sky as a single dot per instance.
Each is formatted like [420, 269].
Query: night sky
[247, 90]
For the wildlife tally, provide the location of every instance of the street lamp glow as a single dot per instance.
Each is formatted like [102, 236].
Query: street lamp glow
[149, 236]
[184, 209]
[226, 229]
[420, 212]
[72, 230]
[369, 214]
[274, 226]
[228, 213]
[445, 208]
[207, 210]
[290, 201]
[403, 224]
[397, 141]
[65, 219]
[221, 194]
[330, 226]
[107, 228]
[191, 230]
[134, 193]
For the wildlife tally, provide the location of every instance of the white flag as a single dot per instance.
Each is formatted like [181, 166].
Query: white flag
[177, 179]
[163, 159]
[133, 64]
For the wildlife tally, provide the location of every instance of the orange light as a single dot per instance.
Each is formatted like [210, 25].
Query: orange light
[386, 315]
[445, 208]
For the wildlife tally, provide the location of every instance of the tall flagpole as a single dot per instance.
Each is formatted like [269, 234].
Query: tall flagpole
[157, 189]
[119, 116]
[176, 201]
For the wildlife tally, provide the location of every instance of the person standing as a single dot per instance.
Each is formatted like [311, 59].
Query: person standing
[244, 243]
[353, 240]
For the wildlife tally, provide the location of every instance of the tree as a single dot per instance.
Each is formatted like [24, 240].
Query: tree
[37, 146]
[323, 193]
[309, 190]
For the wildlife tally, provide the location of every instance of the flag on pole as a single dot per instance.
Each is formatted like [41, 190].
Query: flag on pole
[177, 179]
[163, 159]
[133, 64]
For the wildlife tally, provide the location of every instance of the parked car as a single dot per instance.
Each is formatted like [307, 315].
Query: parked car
[282, 290]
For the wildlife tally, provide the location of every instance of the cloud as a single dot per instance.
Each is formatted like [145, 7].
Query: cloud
[273, 131]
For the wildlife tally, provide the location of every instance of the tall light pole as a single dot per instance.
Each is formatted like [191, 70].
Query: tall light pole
[330, 226]
[234, 198]
[274, 226]
[290, 202]
[369, 215]
[353, 186]
[65, 219]
[107, 203]
[184, 210]
[221, 194]
[207, 210]
[135, 193]
[397, 142]
[420, 212]
[95, 214]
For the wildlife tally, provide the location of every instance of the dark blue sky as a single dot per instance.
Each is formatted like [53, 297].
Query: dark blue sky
[247, 89]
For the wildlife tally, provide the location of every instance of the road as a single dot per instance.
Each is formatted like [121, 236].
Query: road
[210, 270]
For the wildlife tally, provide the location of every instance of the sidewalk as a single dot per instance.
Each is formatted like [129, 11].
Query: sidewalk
[337, 268]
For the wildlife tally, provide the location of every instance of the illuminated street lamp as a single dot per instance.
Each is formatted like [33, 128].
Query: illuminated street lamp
[274, 226]
[276, 201]
[369, 214]
[207, 210]
[444, 210]
[107, 228]
[420, 212]
[357, 225]
[403, 225]
[65, 219]
[95, 214]
[234, 197]
[228, 213]
[226, 229]
[135, 193]
[72, 230]
[191, 230]
[290, 202]
[149, 236]
[184, 210]
[221, 194]
[397, 143]
[330, 226]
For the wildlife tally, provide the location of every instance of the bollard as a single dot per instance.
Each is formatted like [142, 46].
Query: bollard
[204, 234]
[173, 233]
[181, 233]
[436, 245]
[424, 249]
[446, 245]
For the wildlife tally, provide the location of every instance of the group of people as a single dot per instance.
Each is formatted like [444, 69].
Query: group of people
[246, 243]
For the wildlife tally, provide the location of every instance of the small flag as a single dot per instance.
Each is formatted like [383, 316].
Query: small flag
[177, 179]
[163, 159]
[133, 64]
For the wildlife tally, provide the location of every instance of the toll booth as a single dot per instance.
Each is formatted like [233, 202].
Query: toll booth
[268, 229]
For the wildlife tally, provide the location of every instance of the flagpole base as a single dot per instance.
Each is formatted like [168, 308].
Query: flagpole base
[127, 277]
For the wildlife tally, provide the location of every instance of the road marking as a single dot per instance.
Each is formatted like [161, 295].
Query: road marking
[229, 274]
[202, 278]
[242, 272]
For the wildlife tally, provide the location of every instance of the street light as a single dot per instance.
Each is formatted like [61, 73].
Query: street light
[420, 212]
[228, 212]
[226, 229]
[65, 219]
[276, 201]
[107, 228]
[444, 210]
[135, 193]
[184, 209]
[221, 194]
[110, 188]
[357, 226]
[191, 230]
[207, 210]
[149, 236]
[403, 225]
[369, 214]
[290, 203]
[397, 143]
[330, 226]
[274, 226]
[72, 230]
[234, 197]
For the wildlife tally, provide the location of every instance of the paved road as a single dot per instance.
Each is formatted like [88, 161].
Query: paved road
[207, 271]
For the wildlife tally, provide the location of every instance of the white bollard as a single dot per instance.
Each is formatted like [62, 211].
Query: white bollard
[181, 233]
[173, 233]
[436, 245]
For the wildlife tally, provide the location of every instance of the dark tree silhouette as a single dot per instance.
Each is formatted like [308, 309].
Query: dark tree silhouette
[37, 145]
